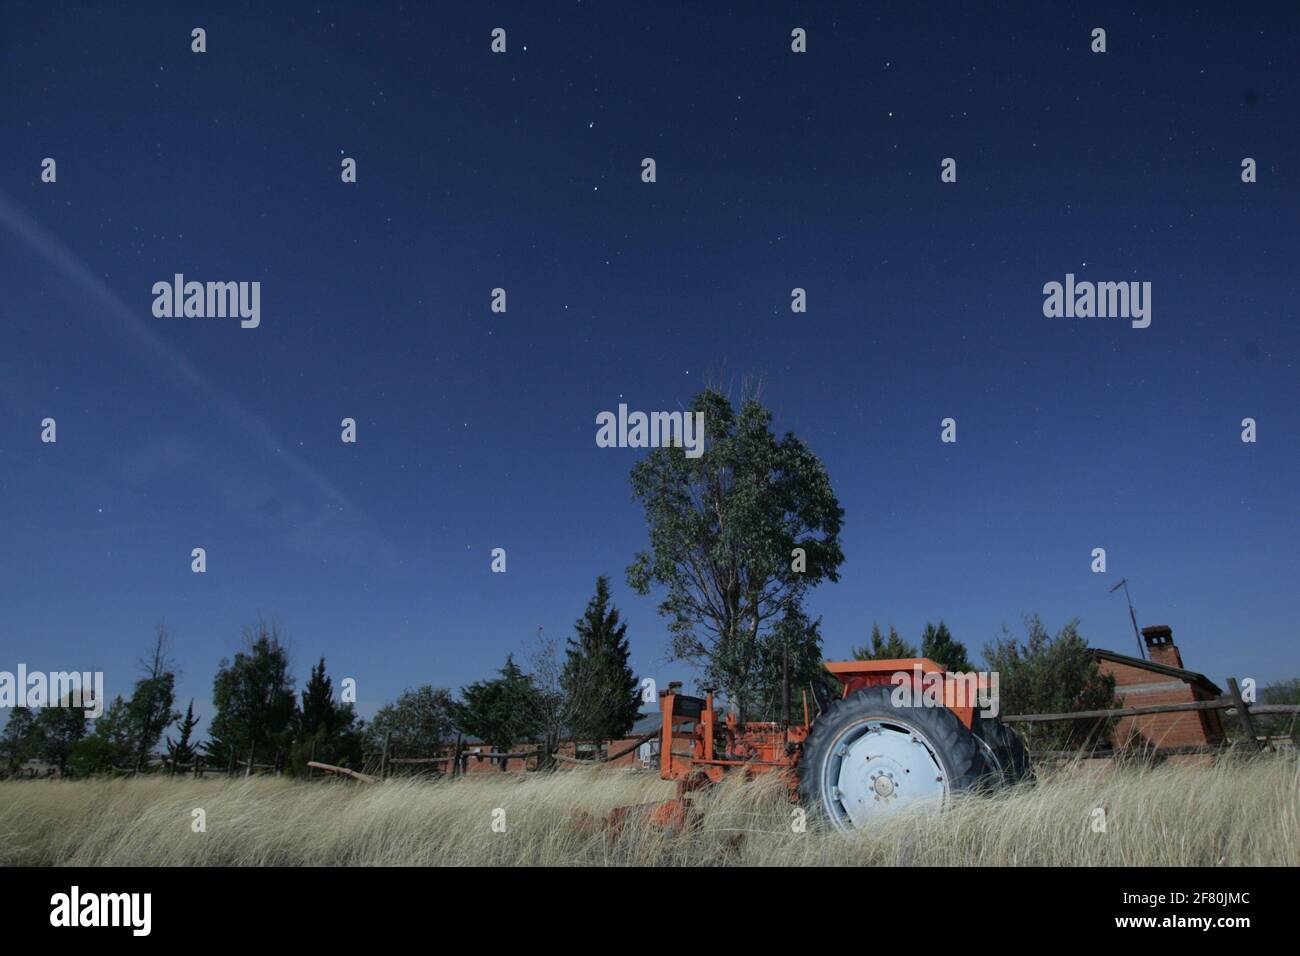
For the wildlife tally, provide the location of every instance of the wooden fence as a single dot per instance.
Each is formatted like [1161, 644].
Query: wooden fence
[381, 763]
[159, 763]
[1233, 705]
[201, 765]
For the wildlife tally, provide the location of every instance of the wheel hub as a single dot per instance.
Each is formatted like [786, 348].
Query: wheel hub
[879, 767]
[883, 784]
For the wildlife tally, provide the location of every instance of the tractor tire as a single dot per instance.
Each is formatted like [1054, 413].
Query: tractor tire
[1005, 754]
[864, 758]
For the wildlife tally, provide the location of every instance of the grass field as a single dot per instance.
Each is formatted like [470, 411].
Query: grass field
[1239, 812]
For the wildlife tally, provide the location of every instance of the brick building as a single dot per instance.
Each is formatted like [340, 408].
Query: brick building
[1162, 680]
[646, 755]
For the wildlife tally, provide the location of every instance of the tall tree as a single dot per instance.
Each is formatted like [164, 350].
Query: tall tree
[882, 649]
[600, 689]
[254, 699]
[110, 745]
[18, 744]
[56, 730]
[1279, 725]
[553, 707]
[1045, 674]
[418, 724]
[793, 647]
[325, 727]
[318, 713]
[182, 751]
[937, 643]
[151, 710]
[502, 711]
[126, 733]
[738, 536]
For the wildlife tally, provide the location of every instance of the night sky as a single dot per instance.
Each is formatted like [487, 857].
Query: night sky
[522, 170]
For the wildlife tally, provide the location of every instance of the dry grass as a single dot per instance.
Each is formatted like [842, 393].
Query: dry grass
[1238, 812]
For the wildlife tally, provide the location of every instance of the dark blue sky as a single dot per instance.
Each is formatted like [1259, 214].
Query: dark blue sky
[476, 430]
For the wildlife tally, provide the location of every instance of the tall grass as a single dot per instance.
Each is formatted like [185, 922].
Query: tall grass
[1237, 812]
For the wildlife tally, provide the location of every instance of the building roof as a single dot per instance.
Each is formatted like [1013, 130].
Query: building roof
[646, 721]
[1191, 677]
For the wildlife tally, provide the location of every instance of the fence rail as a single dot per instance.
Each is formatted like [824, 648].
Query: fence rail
[644, 738]
[1224, 705]
[379, 763]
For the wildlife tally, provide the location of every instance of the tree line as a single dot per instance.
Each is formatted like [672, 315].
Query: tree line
[590, 694]
[587, 693]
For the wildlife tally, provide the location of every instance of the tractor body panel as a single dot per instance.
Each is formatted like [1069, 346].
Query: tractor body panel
[957, 692]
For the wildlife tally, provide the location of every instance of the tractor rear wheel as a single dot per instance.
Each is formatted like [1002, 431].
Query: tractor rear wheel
[1005, 753]
[865, 757]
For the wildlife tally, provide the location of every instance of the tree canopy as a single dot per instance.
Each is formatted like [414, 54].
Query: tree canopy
[600, 690]
[501, 712]
[881, 649]
[151, 708]
[254, 699]
[418, 724]
[1046, 674]
[183, 750]
[938, 644]
[738, 536]
[326, 729]
[793, 645]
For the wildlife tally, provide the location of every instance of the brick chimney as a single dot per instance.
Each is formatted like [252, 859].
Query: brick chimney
[1160, 645]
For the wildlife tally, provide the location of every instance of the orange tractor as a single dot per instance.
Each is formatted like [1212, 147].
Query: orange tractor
[904, 732]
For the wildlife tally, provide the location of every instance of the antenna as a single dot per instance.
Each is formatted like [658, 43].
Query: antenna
[1123, 583]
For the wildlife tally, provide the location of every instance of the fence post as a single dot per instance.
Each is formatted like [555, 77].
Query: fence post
[313, 757]
[455, 758]
[252, 752]
[1243, 714]
[383, 757]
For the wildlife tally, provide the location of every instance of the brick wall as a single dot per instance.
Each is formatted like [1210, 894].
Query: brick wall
[513, 765]
[1138, 687]
[633, 759]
